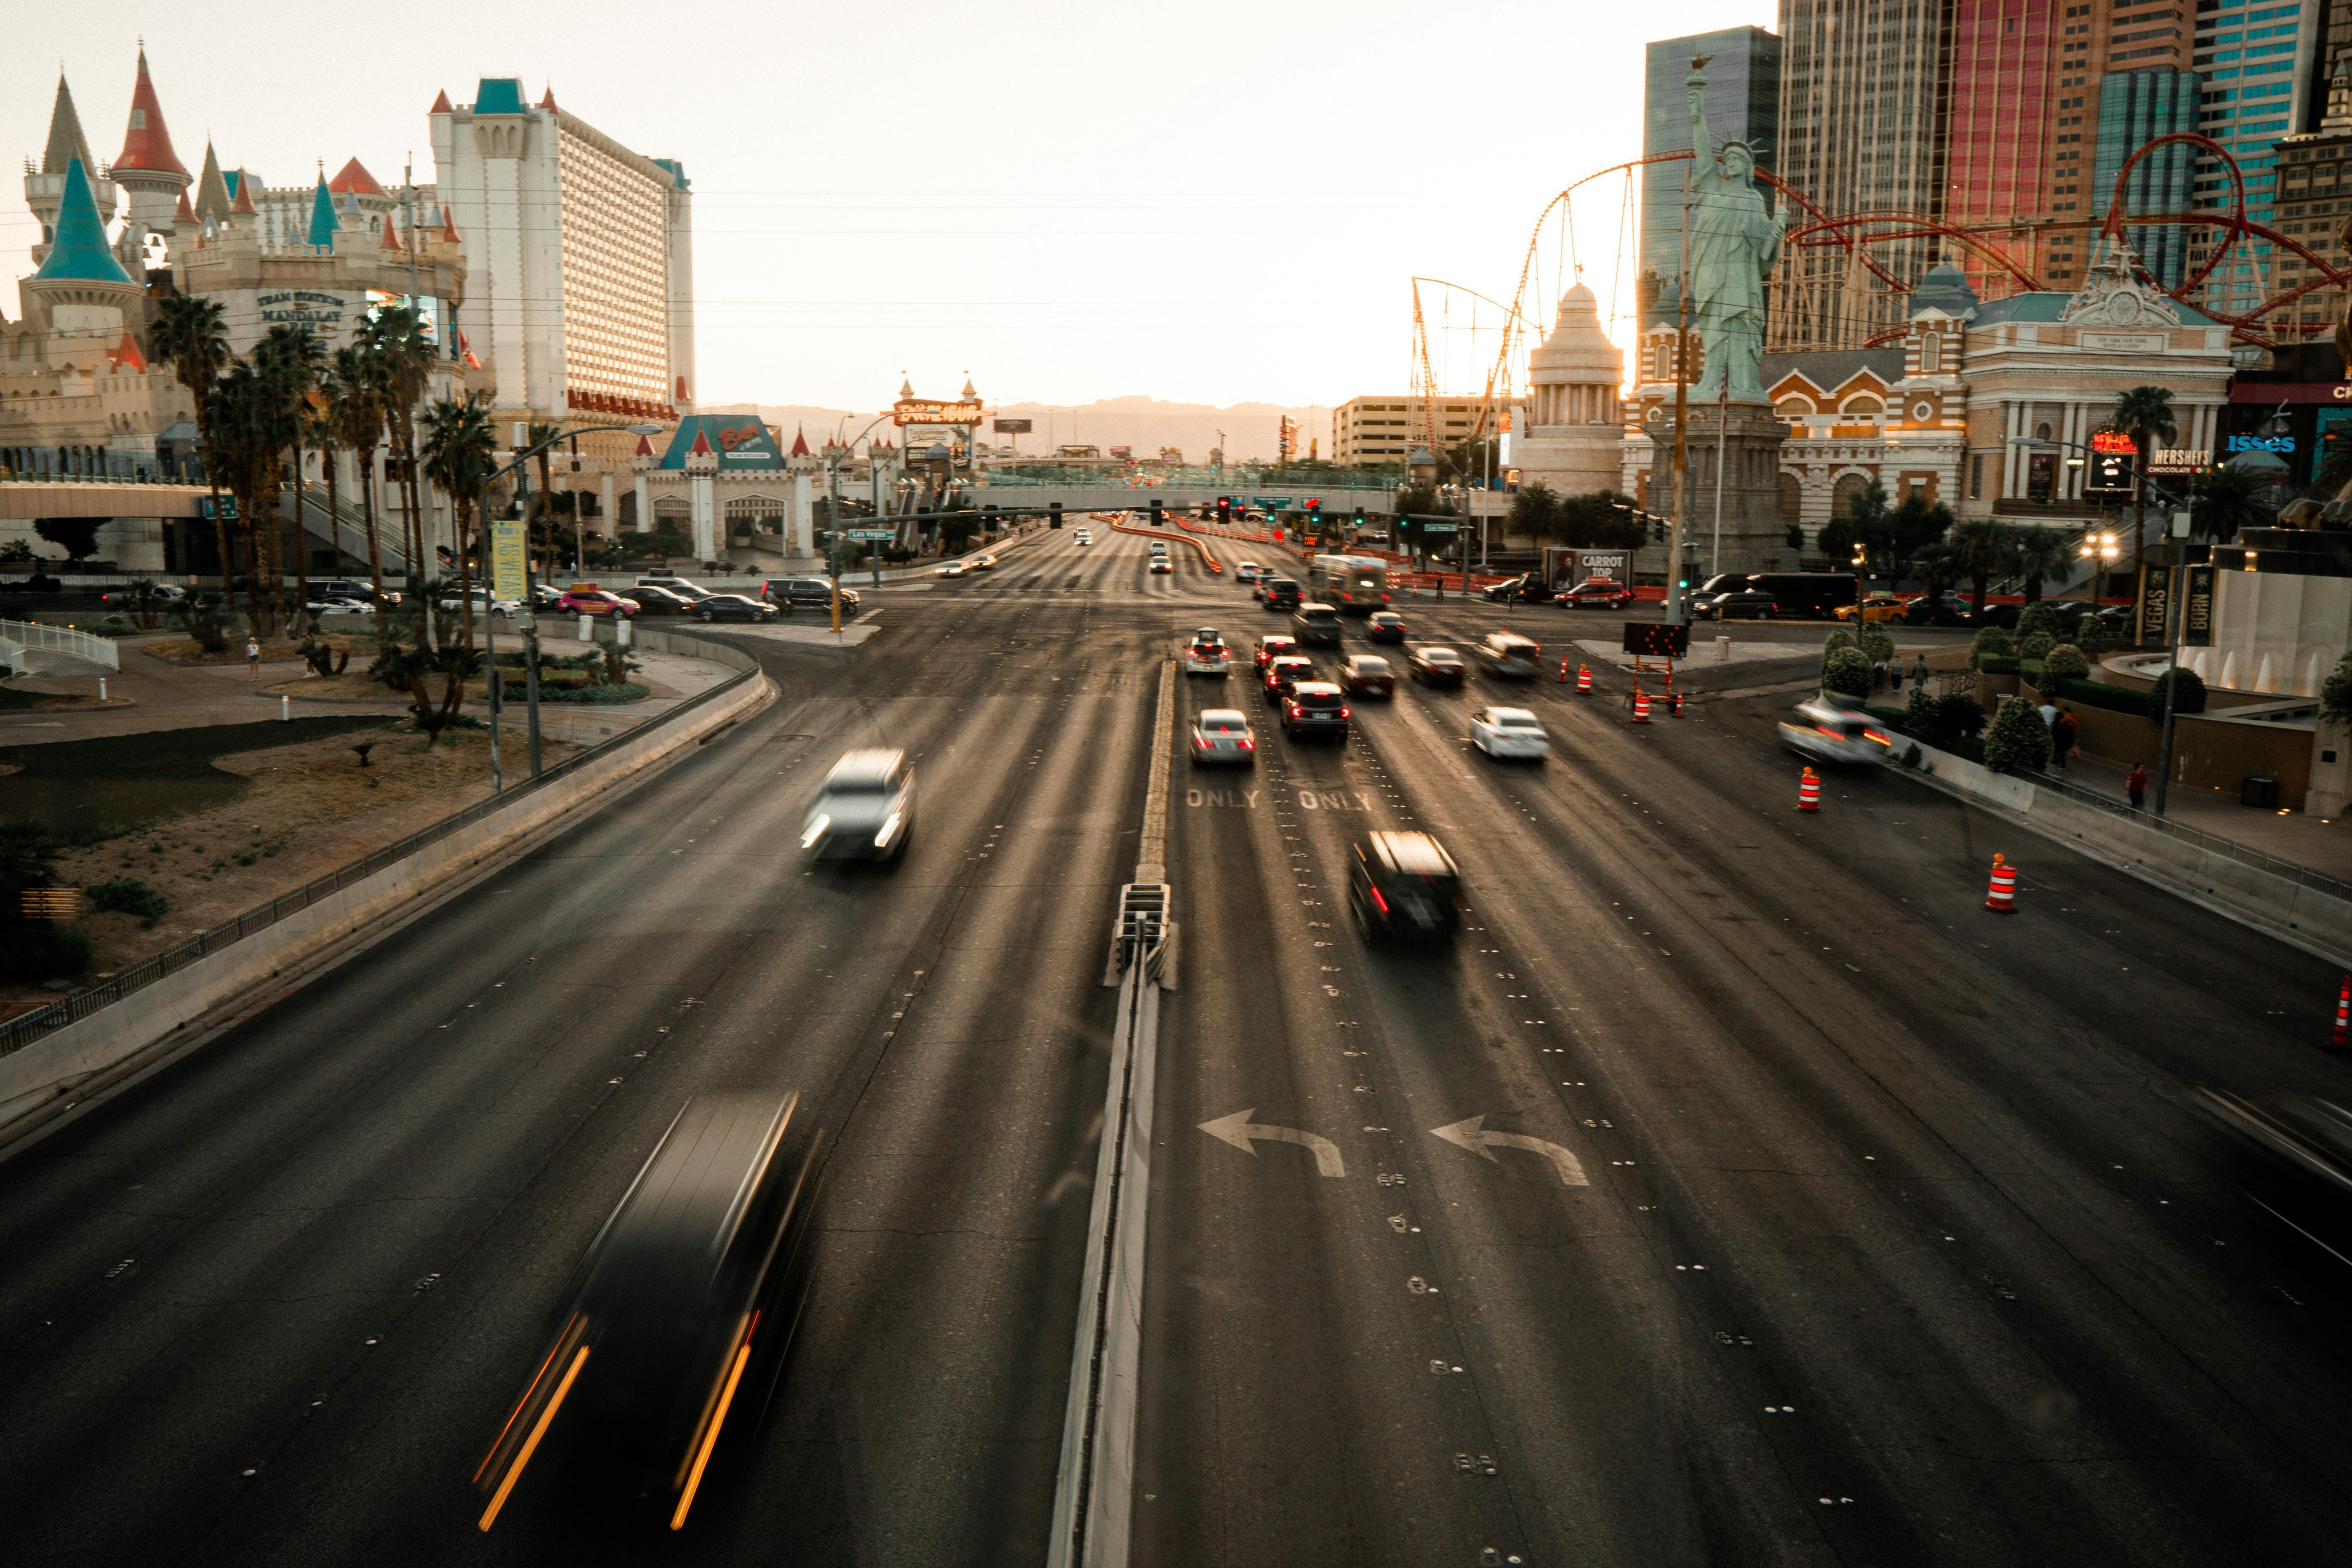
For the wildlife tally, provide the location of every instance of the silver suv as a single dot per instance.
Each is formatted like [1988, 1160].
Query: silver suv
[865, 810]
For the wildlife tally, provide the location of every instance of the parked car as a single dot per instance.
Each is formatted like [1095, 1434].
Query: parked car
[1270, 648]
[2002, 615]
[1829, 733]
[686, 587]
[1207, 654]
[595, 602]
[1510, 655]
[1367, 675]
[1741, 605]
[1597, 593]
[734, 608]
[1436, 666]
[1403, 887]
[806, 592]
[658, 601]
[1874, 607]
[545, 596]
[1503, 732]
[1316, 707]
[863, 810]
[1223, 736]
[1384, 625]
[1086, 536]
[1285, 672]
[1317, 626]
[483, 603]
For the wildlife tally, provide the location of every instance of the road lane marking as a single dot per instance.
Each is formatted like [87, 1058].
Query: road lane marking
[1239, 1131]
[1474, 1136]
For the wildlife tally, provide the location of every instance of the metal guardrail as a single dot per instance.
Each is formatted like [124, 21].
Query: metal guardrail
[32, 637]
[19, 1032]
[2318, 882]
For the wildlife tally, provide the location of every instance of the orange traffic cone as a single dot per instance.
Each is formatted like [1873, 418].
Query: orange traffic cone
[2001, 896]
[2343, 1016]
[1641, 706]
[1583, 678]
[1563, 672]
[1809, 791]
[1674, 701]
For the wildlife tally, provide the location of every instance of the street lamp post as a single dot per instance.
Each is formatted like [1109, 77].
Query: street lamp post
[832, 452]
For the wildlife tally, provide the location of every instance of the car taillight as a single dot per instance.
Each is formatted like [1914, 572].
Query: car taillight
[1343, 713]
[1379, 900]
[1246, 745]
[1296, 711]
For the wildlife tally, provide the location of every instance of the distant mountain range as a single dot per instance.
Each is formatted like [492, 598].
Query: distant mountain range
[1145, 424]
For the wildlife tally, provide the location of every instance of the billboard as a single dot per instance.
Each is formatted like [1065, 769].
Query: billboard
[1014, 426]
[932, 410]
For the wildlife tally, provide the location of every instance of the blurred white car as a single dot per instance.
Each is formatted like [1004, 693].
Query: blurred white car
[952, 569]
[1207, 654]
[1509, 732]
[1086, 536]
[1830, 732]
[347, 607]
[863, 810]
[483, 603]
[1223, 736]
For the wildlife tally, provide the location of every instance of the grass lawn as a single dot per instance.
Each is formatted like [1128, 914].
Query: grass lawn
[83, 791]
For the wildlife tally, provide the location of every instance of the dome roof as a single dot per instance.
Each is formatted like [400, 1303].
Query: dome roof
[1946, 288]
[1578, 353]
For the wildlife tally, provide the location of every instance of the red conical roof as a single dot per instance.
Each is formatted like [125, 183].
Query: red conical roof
[147, 144]
[645, 447]
[800, 443]
[354, 181]
[448, 225]
[243, 203]
[701, 446]
[546, 98]
[186, 213]
[126, 354]
[390, 235]
[441, 103]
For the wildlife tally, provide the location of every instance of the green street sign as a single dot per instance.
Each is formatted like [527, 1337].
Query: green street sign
[1440, 528]
[883, 535]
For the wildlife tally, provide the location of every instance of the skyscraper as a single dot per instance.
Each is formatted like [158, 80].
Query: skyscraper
[2263, 81]
[1743, 102]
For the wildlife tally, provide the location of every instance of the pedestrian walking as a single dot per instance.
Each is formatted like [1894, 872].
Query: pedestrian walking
[252, 659]
[1919, 671]
[1894, 672]
[2062, 731]
[2138, 784]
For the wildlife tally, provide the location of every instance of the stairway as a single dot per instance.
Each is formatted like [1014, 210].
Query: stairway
[341, 524]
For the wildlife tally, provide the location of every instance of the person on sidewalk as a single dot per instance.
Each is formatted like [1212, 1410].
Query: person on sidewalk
[252, 659]
[2138, 784]
[1919, 671]
[1894, 672]
[2062, 731]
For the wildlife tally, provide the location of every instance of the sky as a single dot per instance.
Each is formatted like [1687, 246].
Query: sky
[1217, 202]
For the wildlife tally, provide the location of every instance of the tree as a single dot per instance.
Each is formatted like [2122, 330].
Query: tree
[355, 386]
[460, 451]
[1846, 671]
[1862, 527]
[1601, 521]
[2188, 699]
[1914, 527]
[245, 446]
[1981, 550]
[291, 359]
[2226, 499]
[2018, 738]
[1534, 513]
[2335, 693]
[542, 505]
[2039, 552]
[2037, 617]
[191, 335]
[406, 358]
[1991, 642]
[1875, 641]
[77, 536]
[2144, 414]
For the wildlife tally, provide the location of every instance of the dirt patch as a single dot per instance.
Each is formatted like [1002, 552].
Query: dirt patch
[306, 809]
[360, 646]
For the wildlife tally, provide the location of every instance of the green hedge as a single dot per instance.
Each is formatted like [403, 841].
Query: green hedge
[2114, 698]
[1993, 664]
[627, 691]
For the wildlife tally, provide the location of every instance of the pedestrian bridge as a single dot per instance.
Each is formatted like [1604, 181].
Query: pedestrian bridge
[28, 646]
[53, 495]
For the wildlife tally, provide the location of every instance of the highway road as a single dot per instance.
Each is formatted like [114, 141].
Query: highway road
[1737, 1189]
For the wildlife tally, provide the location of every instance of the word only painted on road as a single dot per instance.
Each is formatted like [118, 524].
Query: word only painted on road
[1243, 798]
[1334, 800]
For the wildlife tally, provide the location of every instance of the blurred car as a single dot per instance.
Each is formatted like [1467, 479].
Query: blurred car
[1315, 626]
[1740, 605]
[1949, 610]
[1223, 736]
[1437, 666]
[482, 601]
[1280, 593]
[1247, 572]
[952, 569]
[1086, 536]
[1527, 588]
[655, 600]
[684, 587]
[2107, 621]
[1316, 707]
[1159, 564]
[595, 602]
[984, 562]
[1829, 733]
[337, 588]
[342, 606]
[1273, 646]
[1283, 672]
[1505, 732]
[545, 596]
[1992, 615]
[1207, 654]
[734, 608]
[2072, 613]
[863, 810]
[676, 1325]
[1875, 608]
[1384, 625]
[806, 592]
[160, 594]
[1403, 887]
[1367, 675]
[1597, 593]
[1510, 655]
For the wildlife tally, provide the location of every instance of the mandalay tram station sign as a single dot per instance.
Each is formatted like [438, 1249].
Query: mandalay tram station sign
[932, 410]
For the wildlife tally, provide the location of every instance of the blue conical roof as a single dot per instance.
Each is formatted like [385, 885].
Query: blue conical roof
[323, 221]
[78, 253]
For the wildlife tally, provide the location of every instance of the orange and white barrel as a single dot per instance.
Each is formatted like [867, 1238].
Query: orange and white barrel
[2001, 896]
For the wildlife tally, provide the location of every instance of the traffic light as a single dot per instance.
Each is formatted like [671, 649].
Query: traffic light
[1657, 529]
[1053, 514]
[1224, 508]
[1157, 518]
[1359, 516]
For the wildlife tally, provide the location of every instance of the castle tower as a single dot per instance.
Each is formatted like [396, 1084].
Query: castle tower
[150, 171]
[45, 187]
[81, 288]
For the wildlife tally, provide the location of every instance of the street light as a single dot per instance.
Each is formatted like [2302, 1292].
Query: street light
[832, 452]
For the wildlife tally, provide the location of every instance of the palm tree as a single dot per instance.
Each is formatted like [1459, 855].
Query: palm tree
[355, 399]
[290, 357]
[2040, 552]
[1981, 550]
[2225, 500]
[191, 335]
[459, 454]
[2144, 413]
[246, 418]
[406, 357]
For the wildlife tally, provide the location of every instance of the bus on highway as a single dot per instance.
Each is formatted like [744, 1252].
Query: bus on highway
[1358, 585]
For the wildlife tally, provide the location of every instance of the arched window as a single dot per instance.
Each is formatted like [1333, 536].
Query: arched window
[1794, 408]
[1863, 405]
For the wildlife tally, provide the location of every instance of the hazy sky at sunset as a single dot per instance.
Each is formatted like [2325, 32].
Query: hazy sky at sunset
[1213, 202]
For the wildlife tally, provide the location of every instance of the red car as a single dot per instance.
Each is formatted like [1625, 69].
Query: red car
[595, 602]
[1597, 593]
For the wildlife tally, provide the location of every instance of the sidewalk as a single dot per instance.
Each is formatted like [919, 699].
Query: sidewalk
[2314, 843]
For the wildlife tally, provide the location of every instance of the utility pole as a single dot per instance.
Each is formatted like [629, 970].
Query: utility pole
[1722, 434]
[1675, 613]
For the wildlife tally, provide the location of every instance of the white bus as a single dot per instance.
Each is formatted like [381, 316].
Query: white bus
[1354, 584]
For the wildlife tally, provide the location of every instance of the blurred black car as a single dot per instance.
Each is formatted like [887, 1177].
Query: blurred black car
[655, 601]
[1950, 610]
[1385, 625]
[1527, 588]
[1403, 887]
[1436, 666]
[806, 592]
[1742, 604]
[734, 607]
[675, 1328]
[1281, 593]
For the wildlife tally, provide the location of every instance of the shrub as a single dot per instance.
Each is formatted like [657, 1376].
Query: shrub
[2335, 693]
[1995, 664]
[133, 897]
[2018, 738]
[35, 951]
[206, 620]
[1874, 640]
[2035, 645]
[2098, 694]
[1847, 671]
[2191, 697]
[1838, 638]
[1991, 642]
[2038, 616]
[2065, 662]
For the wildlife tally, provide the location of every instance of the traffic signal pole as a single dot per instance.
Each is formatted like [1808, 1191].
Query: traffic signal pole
[1675, 613]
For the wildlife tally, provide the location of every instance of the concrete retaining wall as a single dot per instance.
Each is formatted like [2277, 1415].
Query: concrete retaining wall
[2313, 920]
[52, 1065]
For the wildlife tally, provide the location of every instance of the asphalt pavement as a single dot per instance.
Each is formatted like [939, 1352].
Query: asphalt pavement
[1736, 1189]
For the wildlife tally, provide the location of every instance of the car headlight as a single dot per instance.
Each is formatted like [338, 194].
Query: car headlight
[890, 825]
[816, 831]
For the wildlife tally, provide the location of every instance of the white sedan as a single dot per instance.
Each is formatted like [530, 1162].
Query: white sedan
[1207, 654]
[1085, 537]
[1509, 732]
[1223, 736]
[347, 607]
[483, 603]
[1830, 732]
[952, 569]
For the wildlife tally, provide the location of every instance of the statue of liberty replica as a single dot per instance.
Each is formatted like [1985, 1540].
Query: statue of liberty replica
[1735, 243]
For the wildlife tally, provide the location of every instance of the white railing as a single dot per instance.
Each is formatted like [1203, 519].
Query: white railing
[20, 638]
